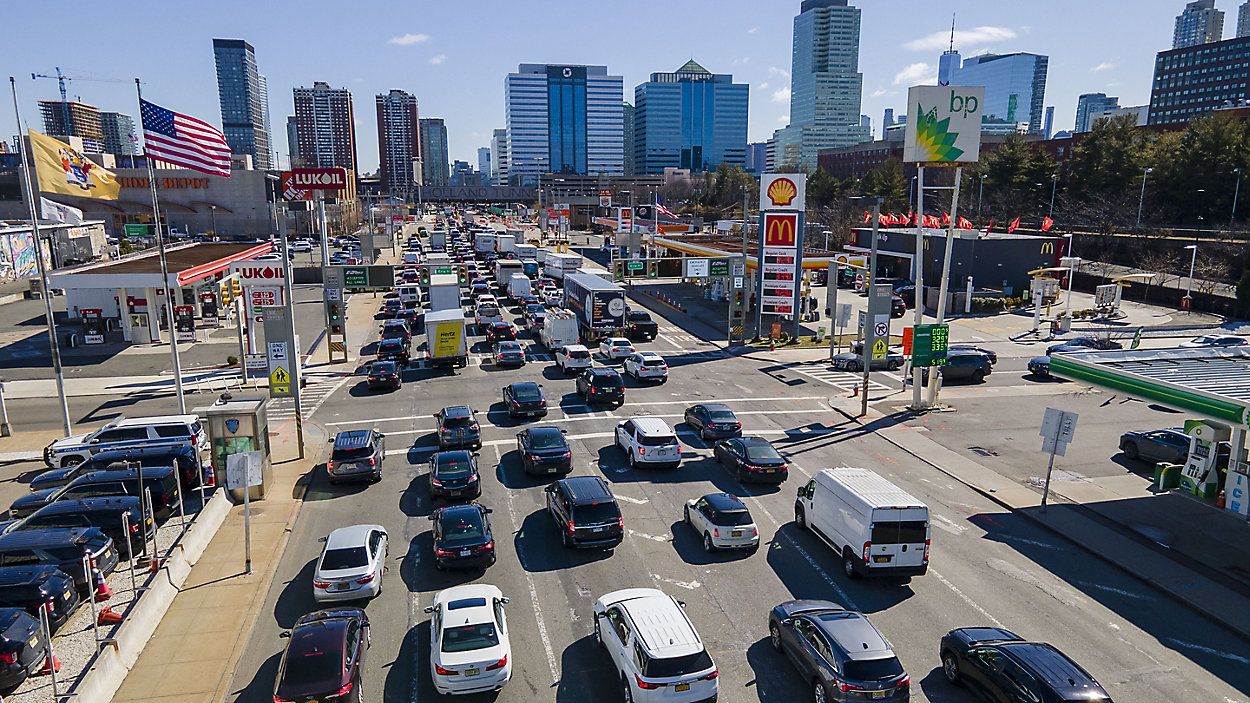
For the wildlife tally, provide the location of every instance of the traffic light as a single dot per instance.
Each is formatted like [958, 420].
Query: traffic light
[740, 298]
[334, 312]
[425, 275]
[653, 269]
[463, 272]
[618, 270]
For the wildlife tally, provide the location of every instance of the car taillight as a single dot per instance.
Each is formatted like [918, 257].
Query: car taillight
[716, 532]
[647, 685]
[49, 605]
[867, 549]
[443, 552]
[755, 531]
[317, 583]
[486, 547]
[373, 461]
[572, 529]
[436, 482]
[475, 426]
[844, 687]
[749, 467]
[329, 464]
[445, 672]
[927, 544]
[620, 522]
[715, 673]
[367, 578]
[8, 657]
[904, 683]
[783, 467]
[567, 455]
[499, 664]
[134, 527]
[542, 403]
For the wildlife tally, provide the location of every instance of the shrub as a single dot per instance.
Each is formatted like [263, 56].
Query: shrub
[232, 360]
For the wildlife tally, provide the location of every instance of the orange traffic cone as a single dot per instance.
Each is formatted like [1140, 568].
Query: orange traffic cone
[108, 617]
[209, 478]
[154, 565]
[102, 590]
[50, 664]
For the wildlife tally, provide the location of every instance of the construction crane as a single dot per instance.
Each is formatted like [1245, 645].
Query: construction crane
[61, 79]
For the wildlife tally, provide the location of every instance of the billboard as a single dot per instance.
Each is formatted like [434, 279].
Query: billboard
[299, 183]
[781, 229]
[783, 191]
[624, 219]
[943, 124]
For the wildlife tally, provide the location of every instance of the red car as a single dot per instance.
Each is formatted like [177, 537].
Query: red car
[324, 658]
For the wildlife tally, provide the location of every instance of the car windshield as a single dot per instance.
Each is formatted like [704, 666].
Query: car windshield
[732, 518]
[349, 558]
[452, 465]
[873, 669]
[463, 528]
[677, 666]
[763, 452]
[547, 440]
[466, 638]
[595, 512]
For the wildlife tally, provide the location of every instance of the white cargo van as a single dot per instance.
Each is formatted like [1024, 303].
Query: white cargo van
[876, 527]
[410, 295]
[559, 329]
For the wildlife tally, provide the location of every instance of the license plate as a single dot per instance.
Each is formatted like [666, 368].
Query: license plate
[465, 552]
[34, 643]
[881, 559]
[339, 587]
[736, 533]
[681, 687]
[598, 529]
[880, 694]
[68, 597]
[472, 672]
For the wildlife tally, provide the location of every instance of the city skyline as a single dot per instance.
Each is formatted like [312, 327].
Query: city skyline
[418, 55]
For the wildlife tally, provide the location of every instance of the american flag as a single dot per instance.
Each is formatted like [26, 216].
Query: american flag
[184, 141]
[665, 211]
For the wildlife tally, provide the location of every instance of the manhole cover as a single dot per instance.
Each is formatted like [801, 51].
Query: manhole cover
[982, 451]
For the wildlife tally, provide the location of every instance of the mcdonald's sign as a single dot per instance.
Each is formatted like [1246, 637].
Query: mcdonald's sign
[781, 229]
[1048, 247]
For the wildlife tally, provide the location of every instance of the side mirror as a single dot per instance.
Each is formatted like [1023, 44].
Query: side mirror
[428, 609]
[604, 614]
[432, 517]
[505, 600]
[381, 436]
[285, 634]
[488, 511]
[550, 489]
[564, 431]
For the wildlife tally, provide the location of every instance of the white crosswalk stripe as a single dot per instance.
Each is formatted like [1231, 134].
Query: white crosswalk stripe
[842, 380]
[312, 395]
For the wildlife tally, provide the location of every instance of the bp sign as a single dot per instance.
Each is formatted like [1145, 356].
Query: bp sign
[930, 344]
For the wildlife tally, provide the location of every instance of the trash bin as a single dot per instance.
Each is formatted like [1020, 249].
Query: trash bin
[1167, 476]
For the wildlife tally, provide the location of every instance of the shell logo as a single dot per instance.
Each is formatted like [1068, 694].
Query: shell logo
[782, 192]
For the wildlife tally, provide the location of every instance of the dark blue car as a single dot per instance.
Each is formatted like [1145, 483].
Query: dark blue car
[841, 655]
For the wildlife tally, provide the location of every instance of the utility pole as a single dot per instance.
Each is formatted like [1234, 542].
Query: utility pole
[944, 285]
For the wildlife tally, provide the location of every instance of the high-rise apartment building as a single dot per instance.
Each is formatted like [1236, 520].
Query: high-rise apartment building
[499, 158]
[325, 127]
[1190, 82]
[1089, 107]
[244, 97]
[434, 151]
[826, 86]
[1048, 125]
[757, 157]
[73, 119]
[483, 162]
[292, 141]
[887, 120]
[690, 119]
[399, 139]
[629, 121]
[1243, 19]
[1199, 23]
[119, 134]
[564, 119]
[1015, 88]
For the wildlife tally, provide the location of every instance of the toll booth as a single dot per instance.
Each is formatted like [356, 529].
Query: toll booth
[237, 425]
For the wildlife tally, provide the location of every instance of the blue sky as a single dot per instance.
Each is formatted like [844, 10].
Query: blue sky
[454, 55]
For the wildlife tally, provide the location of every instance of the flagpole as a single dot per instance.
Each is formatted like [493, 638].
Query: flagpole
[53, 342]
[160, 247]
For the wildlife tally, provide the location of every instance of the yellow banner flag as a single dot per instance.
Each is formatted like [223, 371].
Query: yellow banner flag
[59, 168]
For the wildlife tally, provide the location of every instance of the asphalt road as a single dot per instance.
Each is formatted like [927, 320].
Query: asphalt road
[988, 566]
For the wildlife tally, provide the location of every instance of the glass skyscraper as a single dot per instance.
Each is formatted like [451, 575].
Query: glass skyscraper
[563, 119]
[826, 85]
[1015, 87]
[434, 151]
[244, 100]
[691, 119]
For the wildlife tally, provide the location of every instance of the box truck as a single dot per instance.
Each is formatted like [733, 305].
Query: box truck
[504, 268]
[598, 304]
[557, 266]
[484, 242]
[445, 338]
[444, 291]
[559, 329]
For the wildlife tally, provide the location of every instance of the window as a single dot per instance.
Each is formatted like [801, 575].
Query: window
[172, 431]
[375, 542]
[901, 532]
[619, 624]
[123, 434]
[18, 557]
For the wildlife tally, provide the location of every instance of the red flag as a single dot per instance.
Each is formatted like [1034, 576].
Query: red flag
[1047, 223]
[989, 227]
[946, 218]
[911, 219]
[867, 217]
[1015, 224]
[965, 223]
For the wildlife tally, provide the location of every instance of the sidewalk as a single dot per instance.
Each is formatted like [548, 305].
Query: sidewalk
[1111, 519]
[192, 654]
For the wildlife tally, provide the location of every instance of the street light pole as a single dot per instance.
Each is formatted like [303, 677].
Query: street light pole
[1141, 202]
[1236, 192]
[1054, 185]
[1193, 259]
[981, 193]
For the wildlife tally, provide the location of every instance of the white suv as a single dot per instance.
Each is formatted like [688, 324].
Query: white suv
[122, 433]
[650, 365]
[657, 654]
[648, 441]
[573, 357]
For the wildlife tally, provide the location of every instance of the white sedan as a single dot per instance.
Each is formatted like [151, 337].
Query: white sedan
[616, 348]
[469, 647]
[351, 564]
[1216, 340]
[646, 365]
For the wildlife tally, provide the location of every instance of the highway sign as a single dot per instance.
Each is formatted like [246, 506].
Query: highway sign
[718, 268]
[697, 268]
[635, 265]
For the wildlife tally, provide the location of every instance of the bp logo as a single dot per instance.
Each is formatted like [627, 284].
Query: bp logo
[232, 425]
[934, 140]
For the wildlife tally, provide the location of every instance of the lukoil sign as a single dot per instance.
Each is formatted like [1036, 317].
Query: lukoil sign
[943, 124]
[252, 273]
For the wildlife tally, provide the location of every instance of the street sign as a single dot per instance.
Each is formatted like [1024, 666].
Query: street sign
[1059, 424]
[879, 349]
[366, 278]
[718, 268]
[633, 265]
[844, 314]
[882, 329]
[243, 470]
[930, 344]
[908, 341]
[332, 277]
[738, 282]
[696, 268]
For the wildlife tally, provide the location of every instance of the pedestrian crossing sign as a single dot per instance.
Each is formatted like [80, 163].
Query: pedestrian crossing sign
[879, 349]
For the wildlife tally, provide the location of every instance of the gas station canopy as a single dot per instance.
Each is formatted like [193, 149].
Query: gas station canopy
[1210, 383]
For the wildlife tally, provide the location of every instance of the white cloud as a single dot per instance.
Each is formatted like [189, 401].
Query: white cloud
[976, 35]
[762, 86]
[774, 71]
[753, 30]
[781, 95]
[1104, 66]
[408, 39]
[784, 119]
[742, 61]
[878, 92]
[436, 60]
[916, 74]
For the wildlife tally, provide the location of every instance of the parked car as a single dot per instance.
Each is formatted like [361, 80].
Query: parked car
[357, 455]
[1215, 340]
[462, 537]
[648, 442]
[64, 548]
[508, 354]
[185, 457]
[324, 658]
[458, 428]
[454, 474]
[713, 421]
[525, 399]
[585, 512]
[104, 513]
[23, 649]
[1170, 445]
[544, 450]
[614, 348]
[655, 651]
[601, 386]
[898, 306]
[384, 375]
[159, 480]
[852, 361]
[161, 430]
[1040, 366]
[646, 365]
[394, 349]
[752, 459]
[470, 651]
[723, 521]
[839, 652]
[351, 564]
[1095, 343]
[990, 353]
[639, 325]
[1000, 666]
[39, 587]
[971, 366]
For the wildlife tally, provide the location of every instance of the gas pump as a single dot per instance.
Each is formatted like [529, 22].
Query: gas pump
[1207, 459]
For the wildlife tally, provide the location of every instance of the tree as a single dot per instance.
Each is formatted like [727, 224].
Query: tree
[890, 182]
[1018, 179]
[1110, 160]
[1195, 170]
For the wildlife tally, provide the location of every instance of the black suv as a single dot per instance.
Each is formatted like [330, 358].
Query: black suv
[393, 349]
[639, 325]
[971, 366]
[23, 649]
[183, 456]
[104, 513]
[454, 474]
[160, 480]
[63, 548]
[357, 455]
[601, 386]
[585, 512]
[544, 450]
[39, 586]
[1001, 666]
[457, 428]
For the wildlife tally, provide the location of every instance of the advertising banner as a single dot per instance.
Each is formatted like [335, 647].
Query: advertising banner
[943, 124]
[624, 219]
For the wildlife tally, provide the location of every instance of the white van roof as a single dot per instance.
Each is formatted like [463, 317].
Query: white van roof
[873, 489]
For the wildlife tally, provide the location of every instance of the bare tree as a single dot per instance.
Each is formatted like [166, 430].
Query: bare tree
[1211, 272]
[1162, 263]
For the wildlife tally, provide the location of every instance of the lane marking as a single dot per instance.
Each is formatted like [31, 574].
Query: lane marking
[1112, 589]
[688, 585]
[945, 523]
[973, 604]
[597, 435]
[605, 415]
[653, 538]
[529, 581]
[1205, 650]
[635, 501]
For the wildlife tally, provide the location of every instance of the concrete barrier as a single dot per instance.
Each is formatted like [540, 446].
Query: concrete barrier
[105, 674]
